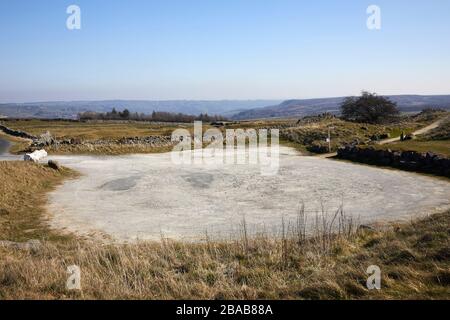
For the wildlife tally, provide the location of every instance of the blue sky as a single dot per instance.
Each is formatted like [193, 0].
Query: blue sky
[212, 49]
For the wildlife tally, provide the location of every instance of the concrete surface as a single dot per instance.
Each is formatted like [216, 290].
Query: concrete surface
[146, 196]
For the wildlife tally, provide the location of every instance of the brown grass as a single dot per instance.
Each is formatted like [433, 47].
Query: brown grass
[314, 134]
[89, 132]
[92, 130]
[342, 132]
[23, 187]
[413, 257]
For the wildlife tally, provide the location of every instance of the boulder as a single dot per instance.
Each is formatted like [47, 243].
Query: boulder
[365, 227]
[53, 164]
[35, 156]
[47, 139]
[409, 136]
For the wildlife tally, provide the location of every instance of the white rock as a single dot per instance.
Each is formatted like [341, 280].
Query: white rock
[35, 156]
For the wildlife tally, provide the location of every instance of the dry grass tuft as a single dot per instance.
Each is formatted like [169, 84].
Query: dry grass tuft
[23, 187]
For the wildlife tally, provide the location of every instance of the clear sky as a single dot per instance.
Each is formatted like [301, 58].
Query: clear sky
[221, 49]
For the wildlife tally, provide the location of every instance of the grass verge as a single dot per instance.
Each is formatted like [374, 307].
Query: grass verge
[23, 188]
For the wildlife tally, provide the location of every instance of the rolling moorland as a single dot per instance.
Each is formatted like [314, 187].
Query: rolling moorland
[306, 107]
[233, 109]
[70, 110]
[414, 256]
[307, 134]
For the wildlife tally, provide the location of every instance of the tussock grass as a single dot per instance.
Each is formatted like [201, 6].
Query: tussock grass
[313, 135]
[344, 132]
[329, 263]
[92, 131]
[440, 133]
[23, 187]
[257, 268]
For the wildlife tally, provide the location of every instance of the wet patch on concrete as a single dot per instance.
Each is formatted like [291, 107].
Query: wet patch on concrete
[122, 184]
[199, 180]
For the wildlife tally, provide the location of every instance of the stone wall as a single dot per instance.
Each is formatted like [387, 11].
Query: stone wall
[16, 133]
[409, 160]
[153, 141]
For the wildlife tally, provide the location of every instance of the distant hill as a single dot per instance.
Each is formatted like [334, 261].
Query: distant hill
[305, 107]
[235, 109]
[70, 109]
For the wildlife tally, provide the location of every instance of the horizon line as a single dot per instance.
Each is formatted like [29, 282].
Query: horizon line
[213, 100]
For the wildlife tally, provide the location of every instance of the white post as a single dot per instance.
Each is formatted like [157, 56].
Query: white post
[329, 139]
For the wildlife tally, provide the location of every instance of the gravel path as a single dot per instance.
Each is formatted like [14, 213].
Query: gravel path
[4, 146]
[418, 132]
